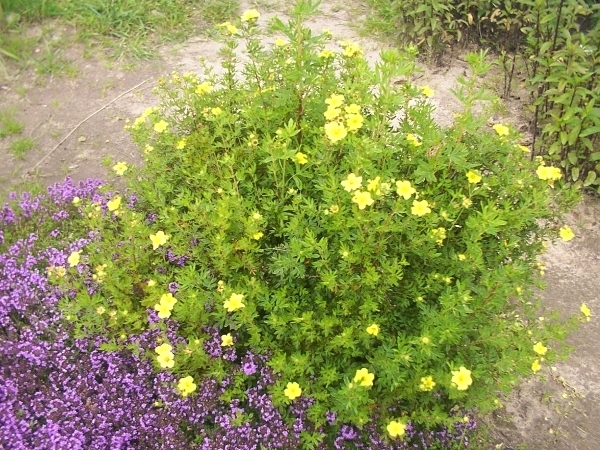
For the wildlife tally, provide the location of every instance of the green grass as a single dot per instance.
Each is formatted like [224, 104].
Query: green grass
[8, 124]
[20, 146]
[124, 27]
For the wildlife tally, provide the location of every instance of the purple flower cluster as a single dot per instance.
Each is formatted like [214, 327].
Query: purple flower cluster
[57, 392]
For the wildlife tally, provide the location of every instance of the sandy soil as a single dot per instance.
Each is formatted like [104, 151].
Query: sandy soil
[77, 122]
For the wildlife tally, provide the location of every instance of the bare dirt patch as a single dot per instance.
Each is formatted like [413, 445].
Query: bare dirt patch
[559, 413]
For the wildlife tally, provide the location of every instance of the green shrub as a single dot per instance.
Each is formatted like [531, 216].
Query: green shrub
[385, 264]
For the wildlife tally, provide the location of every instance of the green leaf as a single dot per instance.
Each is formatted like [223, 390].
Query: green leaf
[588, 131]
[575, 173]
[591, 177]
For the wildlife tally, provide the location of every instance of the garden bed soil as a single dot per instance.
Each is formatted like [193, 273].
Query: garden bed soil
[556, 410]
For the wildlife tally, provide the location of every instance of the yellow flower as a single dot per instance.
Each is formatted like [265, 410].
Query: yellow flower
[257, 236]
[404, 189]
[540, 349]
[396, 429]
[535, 366]
[158, 239]
[585, 311]
[250, 15]
[523, 148]
[163, 310]
[352, 50]
[166, 360]
[334, 209]
[373, 329]
[76, 200]
[427, 91]
[473, 177]
[280, 42]
[216, 111]
[335, 100]
[413, 139]
[502, 130]
[231, 28]
[362, 199]
[151, 283]
[425, 340]
[292, 391]
[163, 348]
[160, 126]
[427, 383]
[420, 208]
[354, 121]
[234, 302]
[301, 158]
[332, 113]
[352, 182]
[74, 259]
[114, 204]
[181, 144]
[100, 310]
[168, 300]
[226, 340]
[335, 131]
[364, 377]
[204, 88]
[186, 386]
[467, 202]
[461, 257]
[326, 54]
[462, 378]
[148, 149]
[566, 234]
[548, 173]
[120, 168]
[352, 109]
[372, 185]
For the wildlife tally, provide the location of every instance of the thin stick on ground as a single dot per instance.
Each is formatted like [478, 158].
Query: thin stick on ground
[30, 171]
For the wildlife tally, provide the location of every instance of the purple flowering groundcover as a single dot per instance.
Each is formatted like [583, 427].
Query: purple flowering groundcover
[58, 392]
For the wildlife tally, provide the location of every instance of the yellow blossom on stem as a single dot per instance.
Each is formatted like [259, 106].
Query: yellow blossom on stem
[181, 144]
[279, 42]
[151, 283]
[163, 310]
[326, 54]
[234, 302]
[396, 429]
[76, 200]
[163, 348]
[292, 390]
[204, 88]
[332, 113]
[427, 91]
[301, 158]
[536, 366]
[258, 235]
[566, 233]
[364, 377]
[404, 189]
[461, 378]
[420, 208]
[168, 300]
[226, 340]
[362, 199]
[334, 209]
[354, 121]
[74, 258]
[352, 182]
[166, 360]
[158, 239]
[540, 349]
[523, 148]
[373, 329]
[100, 310]
[427, 384]
[373, 185]
[502, 130]
[114, 204]
[413, 140]
[352, 109]
[473, 177]
[186, 386]
[216, 111]
[335, 100]
[335, 131]
[160, 126]
[250, 15]
[120, 168]
[548, 173]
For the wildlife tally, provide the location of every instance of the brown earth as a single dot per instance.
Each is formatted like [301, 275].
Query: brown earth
[78, 121]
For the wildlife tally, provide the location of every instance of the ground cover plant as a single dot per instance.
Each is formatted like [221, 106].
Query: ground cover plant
[308, 261]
